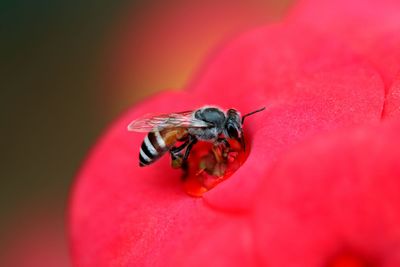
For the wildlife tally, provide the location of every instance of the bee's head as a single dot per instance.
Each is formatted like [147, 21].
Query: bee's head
[233, 124]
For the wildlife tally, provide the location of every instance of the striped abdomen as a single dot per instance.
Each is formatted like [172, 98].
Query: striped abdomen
[157, 143]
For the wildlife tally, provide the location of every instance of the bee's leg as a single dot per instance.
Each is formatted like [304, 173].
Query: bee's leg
[176, 160]
[178, 149]
[223, 141]
[177, 155]
[222, 146]
[179, 160]
[192, 141]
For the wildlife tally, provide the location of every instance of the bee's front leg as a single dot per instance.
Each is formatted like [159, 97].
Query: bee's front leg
[223, 146]
[222, 141]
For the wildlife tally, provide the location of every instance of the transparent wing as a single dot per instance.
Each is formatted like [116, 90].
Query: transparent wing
[151, 123]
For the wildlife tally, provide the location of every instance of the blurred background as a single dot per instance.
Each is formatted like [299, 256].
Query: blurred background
[67, 69]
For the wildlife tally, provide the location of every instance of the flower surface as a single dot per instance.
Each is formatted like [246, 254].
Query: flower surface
[322, 176]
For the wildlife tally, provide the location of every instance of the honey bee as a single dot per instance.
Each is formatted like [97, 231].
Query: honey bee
[186, 128]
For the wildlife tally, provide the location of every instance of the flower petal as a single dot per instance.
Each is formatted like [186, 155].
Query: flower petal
[392, 101]
[121, 214]
[336, 194]
[371, 28]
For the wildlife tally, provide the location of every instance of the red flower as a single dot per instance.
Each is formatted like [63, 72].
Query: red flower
[320, 186]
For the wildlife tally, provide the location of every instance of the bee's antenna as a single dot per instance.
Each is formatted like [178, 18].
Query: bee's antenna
[251, 113]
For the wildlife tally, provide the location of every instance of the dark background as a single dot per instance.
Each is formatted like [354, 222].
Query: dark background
[67, 68]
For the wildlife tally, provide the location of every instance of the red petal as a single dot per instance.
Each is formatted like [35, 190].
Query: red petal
[392, 101]
[370, 27]
[337, 194]
[123, 214]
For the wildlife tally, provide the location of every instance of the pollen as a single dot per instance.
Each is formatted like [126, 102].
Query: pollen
[210, 164]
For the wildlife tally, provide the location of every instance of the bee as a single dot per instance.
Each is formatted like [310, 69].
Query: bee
[186, 128]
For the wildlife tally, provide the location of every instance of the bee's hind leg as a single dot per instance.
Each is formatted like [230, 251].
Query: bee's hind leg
[176, 160]
[179, 159]
[177, 155]
[192, 141]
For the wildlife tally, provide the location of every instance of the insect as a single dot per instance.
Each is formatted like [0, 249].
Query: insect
[186, 128]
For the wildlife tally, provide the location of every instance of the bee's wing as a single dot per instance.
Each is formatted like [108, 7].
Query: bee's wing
[151, 123]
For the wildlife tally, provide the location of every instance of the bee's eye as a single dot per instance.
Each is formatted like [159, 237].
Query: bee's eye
[232, 132]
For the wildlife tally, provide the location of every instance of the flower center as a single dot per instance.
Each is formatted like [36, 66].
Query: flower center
[210, 164]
